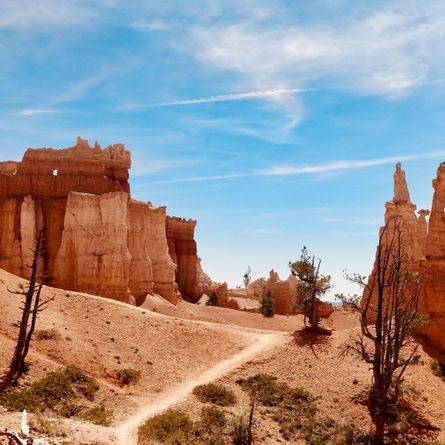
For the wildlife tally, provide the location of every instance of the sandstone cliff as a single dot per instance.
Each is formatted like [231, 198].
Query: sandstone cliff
[192, 281]
[423, 244]
[97, 239]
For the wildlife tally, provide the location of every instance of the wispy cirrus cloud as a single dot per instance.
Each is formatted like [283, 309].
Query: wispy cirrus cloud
[387, 49]
[251, 95]
[33, 112]
[341, 165]
[321, 168]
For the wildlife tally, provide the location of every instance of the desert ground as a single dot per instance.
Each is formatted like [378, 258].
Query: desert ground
[176, 348]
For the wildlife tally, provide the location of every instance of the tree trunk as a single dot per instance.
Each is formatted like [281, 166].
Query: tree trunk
[17, 365]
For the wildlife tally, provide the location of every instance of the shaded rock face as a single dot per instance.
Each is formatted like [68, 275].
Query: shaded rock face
[423, 244]
[191, 279]
[97, 239]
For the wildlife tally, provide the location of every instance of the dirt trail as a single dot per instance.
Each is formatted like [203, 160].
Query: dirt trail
[126, 432]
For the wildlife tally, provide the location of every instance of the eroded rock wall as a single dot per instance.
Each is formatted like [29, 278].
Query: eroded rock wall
[423, 244]
[192, 281]
[147, 238]
[97, 239]
[432, 266]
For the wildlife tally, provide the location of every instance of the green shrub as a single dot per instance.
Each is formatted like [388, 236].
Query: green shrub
[212, 418]
[98, 415]
[295, 412]
[47, 334]
[271, 393]
[54, 391]
[171, 427]
[438, 369]
[127, 376]
[216, 394]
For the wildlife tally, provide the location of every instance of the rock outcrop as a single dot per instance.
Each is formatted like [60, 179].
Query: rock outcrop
[432, 267]
[284, 294]
[192, 281]
[97, 239]
[423, 246]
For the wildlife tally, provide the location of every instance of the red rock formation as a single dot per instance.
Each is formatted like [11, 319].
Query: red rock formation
[93, 256]
[98, 240]
[192, 281]
[148, 244]
[400, 213]
[284, 294]
[433, 268]
[423, 244]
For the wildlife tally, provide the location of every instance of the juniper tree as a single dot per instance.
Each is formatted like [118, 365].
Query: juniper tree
[312, 285]
[267, 305]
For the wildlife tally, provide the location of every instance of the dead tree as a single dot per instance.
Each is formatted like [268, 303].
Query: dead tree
[12, 439]
[32, 305]
[389, 310]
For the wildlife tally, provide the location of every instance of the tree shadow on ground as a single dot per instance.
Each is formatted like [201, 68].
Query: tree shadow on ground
[318, 340]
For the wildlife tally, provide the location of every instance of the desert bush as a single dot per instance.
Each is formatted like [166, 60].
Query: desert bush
[99, 415]
[54, 391]
[295, 412]
[212, 418]
[438, 369]
[216, 394]
[47, 334]
[211, 427]
[240, 431]
[128, 376]
[171, 427]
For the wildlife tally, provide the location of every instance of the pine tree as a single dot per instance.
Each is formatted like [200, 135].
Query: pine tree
[213, 299]
[267, 304]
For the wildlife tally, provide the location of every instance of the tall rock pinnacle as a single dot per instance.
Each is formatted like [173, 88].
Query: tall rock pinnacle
[401, 194]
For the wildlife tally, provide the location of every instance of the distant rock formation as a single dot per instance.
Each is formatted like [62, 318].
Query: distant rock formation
[97, 239]
[423, 245]
[284, 294]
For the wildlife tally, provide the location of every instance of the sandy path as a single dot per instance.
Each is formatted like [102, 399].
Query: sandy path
[126, 432]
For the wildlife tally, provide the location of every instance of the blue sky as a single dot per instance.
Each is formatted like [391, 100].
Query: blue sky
[274, 124]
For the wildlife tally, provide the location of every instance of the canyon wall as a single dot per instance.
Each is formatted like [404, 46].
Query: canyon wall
[97, 239]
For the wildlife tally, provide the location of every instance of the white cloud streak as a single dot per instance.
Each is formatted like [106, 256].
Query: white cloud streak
[33, 112]
[335, 166]
[325, 167]
[251, 95]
